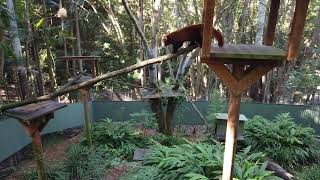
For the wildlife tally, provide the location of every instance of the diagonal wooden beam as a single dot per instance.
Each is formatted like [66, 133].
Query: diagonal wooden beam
[224, 74]
[252, 76]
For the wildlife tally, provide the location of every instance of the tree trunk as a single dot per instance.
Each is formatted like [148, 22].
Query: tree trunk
[142, 53]
[114, 21]
[243, 22]
[2, 27]
[14, 30]
[78, 36]
[49, 59]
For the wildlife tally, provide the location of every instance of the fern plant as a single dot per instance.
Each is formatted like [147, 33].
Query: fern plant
[118, 136]
[198, 161]
[289, 144]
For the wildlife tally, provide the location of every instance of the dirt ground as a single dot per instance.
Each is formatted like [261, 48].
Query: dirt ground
[54, 152]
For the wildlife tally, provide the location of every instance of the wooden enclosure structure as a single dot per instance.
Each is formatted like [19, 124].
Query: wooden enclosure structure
[249, 63]
[91, 59]
[33, 118]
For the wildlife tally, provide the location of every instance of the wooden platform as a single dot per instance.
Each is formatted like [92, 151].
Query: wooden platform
[245, 54]
[35, 110]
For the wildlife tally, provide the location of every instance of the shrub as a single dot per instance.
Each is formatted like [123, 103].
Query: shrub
[282, 140]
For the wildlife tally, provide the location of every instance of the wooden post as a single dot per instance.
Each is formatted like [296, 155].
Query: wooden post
[38, 154]
[231, 136]
[84, 98]
[232, 127]
[208, 12]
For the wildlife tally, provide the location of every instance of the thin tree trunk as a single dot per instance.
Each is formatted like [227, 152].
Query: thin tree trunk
[49, 59]
[2, 27]
[115, 22]
[14, 30]
[142, 53]
[78, 36]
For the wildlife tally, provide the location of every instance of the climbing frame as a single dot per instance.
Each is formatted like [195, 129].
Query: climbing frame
[248, 64]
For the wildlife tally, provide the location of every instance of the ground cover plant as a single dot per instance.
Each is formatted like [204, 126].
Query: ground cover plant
[287, 143]
[309, 173]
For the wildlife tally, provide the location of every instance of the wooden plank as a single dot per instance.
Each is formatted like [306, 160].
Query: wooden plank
[244, 52]
[297, 27]
[35, 110]
[224, 74]
[208, 13]
[272, 22]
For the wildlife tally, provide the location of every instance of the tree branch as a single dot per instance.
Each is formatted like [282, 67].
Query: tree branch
[136, 25]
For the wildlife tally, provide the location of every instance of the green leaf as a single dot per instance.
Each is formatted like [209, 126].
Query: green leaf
[40, 23]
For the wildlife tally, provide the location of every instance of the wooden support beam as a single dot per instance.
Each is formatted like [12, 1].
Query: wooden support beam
[252, 76]
[224, 74]
[84, 95]
[208, 13]
[272, 22]
[297, 27]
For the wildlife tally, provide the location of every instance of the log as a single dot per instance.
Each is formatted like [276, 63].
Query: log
[91, 82]
[278, 170]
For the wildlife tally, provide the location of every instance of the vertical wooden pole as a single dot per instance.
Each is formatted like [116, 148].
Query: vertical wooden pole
[38, 152]
[232, 128]
[208, 13]
[84, 98]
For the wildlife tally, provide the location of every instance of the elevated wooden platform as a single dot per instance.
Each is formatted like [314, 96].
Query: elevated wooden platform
[244, 54]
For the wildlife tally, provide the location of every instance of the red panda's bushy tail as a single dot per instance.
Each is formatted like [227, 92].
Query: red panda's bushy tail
[218, 36]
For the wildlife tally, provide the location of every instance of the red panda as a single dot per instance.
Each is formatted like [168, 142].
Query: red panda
[192, 33]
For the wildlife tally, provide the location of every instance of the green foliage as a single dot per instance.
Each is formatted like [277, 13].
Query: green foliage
[53, 172]
[145, 119]
[169, 140]
[309, 173]
[118, 136]
[198, 161]
[284, 141]
[306, 78]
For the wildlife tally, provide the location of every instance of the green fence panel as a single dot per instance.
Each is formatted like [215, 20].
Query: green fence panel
[13, 137]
